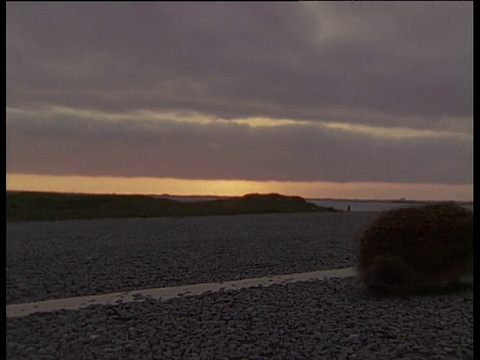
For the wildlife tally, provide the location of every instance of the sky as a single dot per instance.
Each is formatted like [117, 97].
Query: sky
[317, 99]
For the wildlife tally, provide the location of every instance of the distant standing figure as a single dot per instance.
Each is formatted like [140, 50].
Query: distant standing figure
[348, 208]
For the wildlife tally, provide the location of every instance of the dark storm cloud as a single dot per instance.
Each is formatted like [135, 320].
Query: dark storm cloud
[246, 59]
[83, 146]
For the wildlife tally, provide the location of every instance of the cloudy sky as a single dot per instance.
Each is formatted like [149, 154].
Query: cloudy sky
[342, 99]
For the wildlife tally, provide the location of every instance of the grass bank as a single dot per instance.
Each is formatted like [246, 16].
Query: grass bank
[42, 206]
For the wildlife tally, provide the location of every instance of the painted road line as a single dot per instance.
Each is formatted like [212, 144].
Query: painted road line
[165, 293]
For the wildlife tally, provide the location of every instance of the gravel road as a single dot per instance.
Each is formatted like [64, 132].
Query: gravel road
[48, 260]
[329, 319]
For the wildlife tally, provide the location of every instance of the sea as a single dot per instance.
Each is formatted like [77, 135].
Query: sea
[374, 205]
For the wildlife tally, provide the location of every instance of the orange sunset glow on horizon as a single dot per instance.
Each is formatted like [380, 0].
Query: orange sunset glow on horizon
[159, 186]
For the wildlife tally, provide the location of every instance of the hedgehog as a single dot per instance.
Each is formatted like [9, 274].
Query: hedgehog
[417, 249]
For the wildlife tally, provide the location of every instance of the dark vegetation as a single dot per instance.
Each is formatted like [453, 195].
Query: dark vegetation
[417, 249]
[39, 206]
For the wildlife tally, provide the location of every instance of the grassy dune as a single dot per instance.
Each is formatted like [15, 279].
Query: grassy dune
[40, 206]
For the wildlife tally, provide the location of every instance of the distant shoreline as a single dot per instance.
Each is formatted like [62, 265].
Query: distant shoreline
[224, 197]
[395, 201]
[45, 206]
[399, 201]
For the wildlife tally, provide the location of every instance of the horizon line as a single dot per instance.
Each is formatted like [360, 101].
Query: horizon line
[166, 195]
[218, 187]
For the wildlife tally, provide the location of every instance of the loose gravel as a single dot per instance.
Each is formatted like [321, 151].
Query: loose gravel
[330, 319]
[47, 260]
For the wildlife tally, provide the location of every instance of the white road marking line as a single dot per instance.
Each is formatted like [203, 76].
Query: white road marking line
[164, 293]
